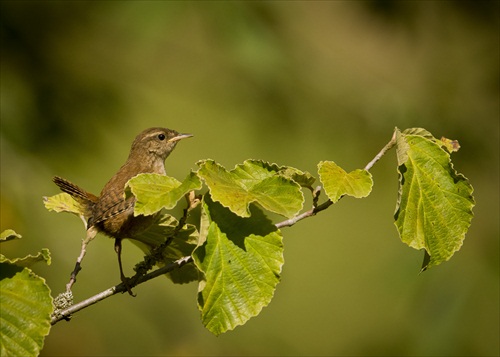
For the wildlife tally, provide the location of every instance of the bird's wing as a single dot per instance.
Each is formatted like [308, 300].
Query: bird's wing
[110, 206]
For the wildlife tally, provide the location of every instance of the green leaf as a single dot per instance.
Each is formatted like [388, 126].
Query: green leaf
[155, 192]
[25, 303]
[182, 243]
[29, 260]
[26, 306]
[241, 260]
[449, 144]
[9, 234]
[434, 208]
[64, 202]
[338, 183]
[252, 181]
[419, 132]
[304, 179]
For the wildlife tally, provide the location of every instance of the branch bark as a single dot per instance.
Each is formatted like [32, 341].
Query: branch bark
[65, 314]
[382, 152]
[290, 222]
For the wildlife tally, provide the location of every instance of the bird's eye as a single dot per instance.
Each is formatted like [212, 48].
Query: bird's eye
[161, 137]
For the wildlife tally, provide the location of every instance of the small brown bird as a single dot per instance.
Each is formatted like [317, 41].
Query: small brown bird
[111, 213]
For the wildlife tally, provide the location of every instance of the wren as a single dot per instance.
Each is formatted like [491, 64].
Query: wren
[113, 214]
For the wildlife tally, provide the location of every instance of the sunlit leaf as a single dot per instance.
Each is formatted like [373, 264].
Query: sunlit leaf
[9, 234]
[25, 303]
[29, 260]
[63, 202]
[241, 261]
[434, 208]
[155, 192]
[338, 183]
[449, 144]
[303, 178]
[26, 307]
[419, 132]
[252, 181]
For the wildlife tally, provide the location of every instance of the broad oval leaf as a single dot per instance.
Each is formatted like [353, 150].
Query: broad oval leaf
[338, 182]
[26, 308]
[241, 260]
[252, 181]
[154, 192]
[434, 208]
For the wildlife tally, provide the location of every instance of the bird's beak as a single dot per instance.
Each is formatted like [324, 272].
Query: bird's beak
[180, 136]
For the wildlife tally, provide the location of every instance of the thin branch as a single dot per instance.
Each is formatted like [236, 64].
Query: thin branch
[91, 233]
[316, 192]
[120, 288]
[382, 152]
[290, 222]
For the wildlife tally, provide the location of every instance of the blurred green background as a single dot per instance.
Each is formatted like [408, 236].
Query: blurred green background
[288, 82]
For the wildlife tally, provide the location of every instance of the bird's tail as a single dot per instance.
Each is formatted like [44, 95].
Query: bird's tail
[78, 193]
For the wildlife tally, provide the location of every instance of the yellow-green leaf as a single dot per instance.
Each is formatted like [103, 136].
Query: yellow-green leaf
[241, 262]
[63, 202]
[337, 182]
[154, 192]
[29, 260]
[26, 307]
[434, 208]
[253, 181]
[25, 303]
[9, 234]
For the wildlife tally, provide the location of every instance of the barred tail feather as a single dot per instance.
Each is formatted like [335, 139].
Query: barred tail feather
[74, 190]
